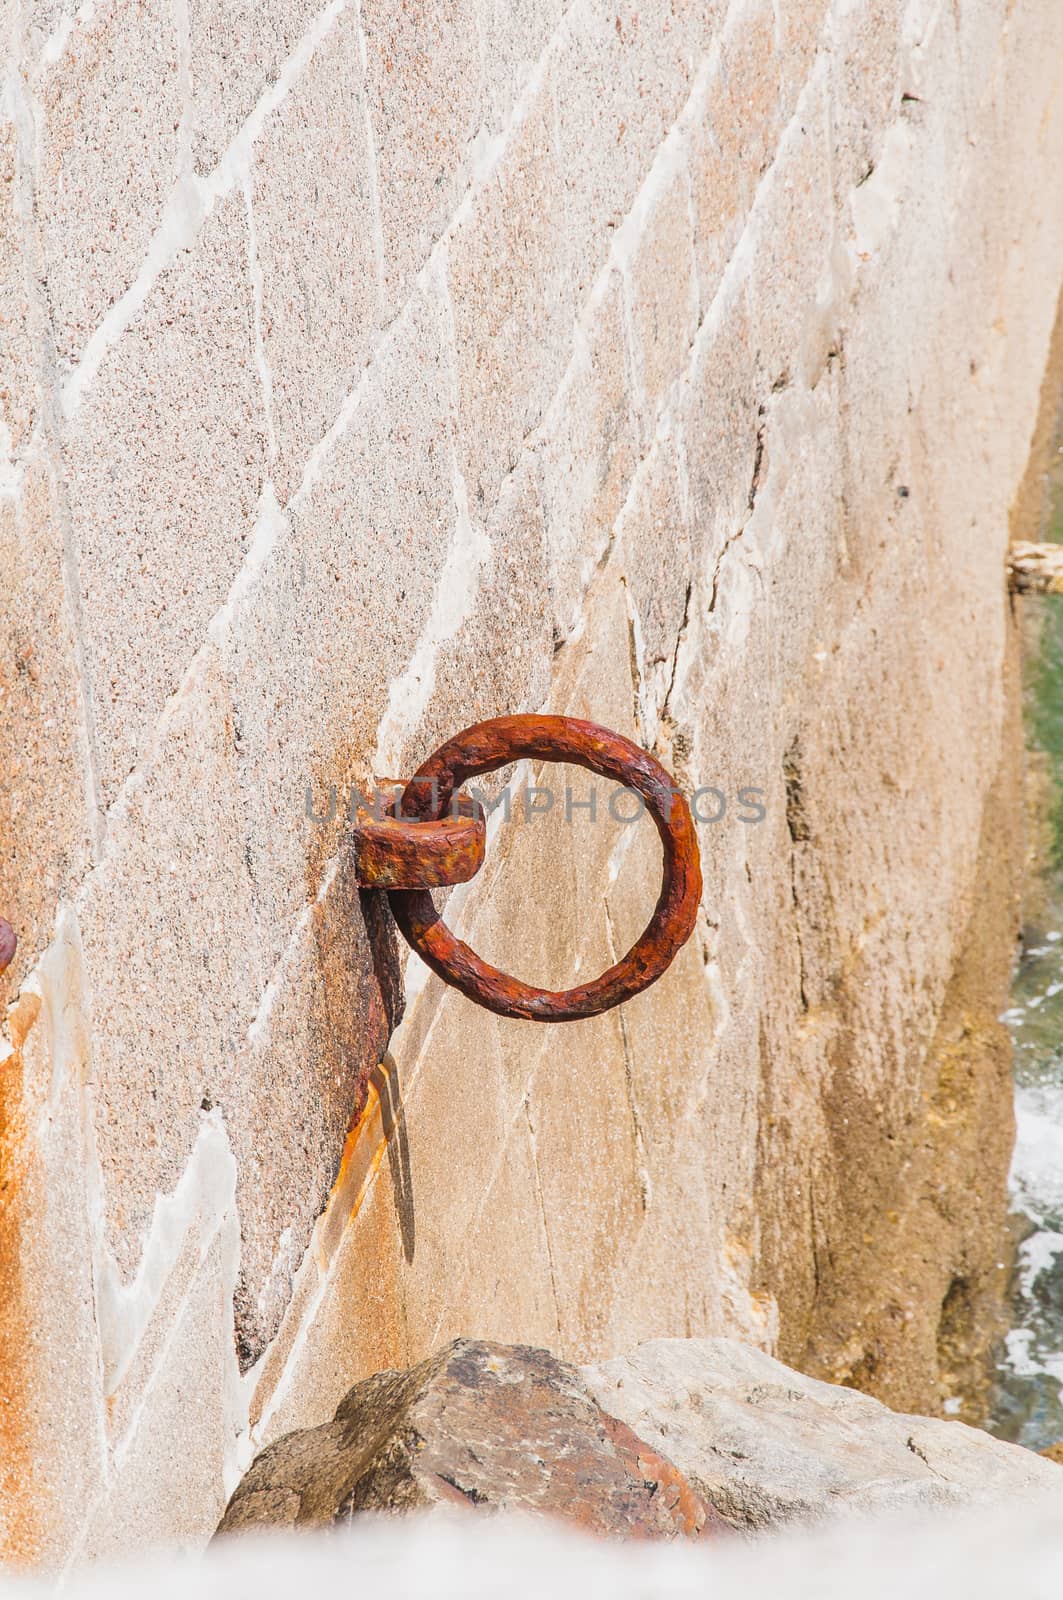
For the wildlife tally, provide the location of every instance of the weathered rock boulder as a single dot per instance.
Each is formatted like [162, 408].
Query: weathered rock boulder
[682, 1437]
[765, 1445]
[484, 1425]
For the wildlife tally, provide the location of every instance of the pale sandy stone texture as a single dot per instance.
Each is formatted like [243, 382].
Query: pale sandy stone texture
[171, 906]
[317, 266]
[585, 456]
[237, 52]
[164, 464]
[513, 43]
[766, 1445]
[423, 84]
[342, 598]
[108, 153]
[45, 789]
[662, 299]
[510, 283]
[21, 319]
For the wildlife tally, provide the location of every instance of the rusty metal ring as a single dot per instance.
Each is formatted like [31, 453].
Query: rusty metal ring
[489, 745]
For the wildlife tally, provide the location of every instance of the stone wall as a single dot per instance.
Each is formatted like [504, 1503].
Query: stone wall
[370, 369]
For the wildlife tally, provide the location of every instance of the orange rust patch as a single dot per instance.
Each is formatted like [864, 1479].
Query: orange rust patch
[689, 1513]
[21, 1017]
[363, 1151]
[22, 1522]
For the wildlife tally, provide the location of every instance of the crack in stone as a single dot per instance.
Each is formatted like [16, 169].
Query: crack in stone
[751, 501]
[642, 1169]
[542, 1212]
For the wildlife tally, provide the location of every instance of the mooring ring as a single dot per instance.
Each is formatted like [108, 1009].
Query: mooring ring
[484, 748]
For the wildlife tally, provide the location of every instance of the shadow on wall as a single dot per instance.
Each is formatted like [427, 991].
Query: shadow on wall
[385, 1080]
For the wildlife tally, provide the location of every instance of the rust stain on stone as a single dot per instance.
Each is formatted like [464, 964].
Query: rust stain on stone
[691, 1515]
[22, 1524]
[363, 1151]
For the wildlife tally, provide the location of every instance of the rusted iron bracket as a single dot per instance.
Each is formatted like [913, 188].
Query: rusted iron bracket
[396, 851]
[1035, 568]
[429, 836]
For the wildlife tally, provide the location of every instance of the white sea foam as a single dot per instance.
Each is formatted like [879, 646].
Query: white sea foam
[1037, 1164]
[1012, 1548]
[1038, 1254]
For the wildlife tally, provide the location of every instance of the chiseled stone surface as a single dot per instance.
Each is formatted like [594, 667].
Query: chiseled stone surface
[236, 57]
[319, 298]
[109, 147]
[482, 1425]
[766, 1445]
[424, 91]
[163, 473]
[372, 369]
[46, 787]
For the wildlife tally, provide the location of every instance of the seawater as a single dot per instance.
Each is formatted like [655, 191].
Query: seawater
[1027, 1401]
